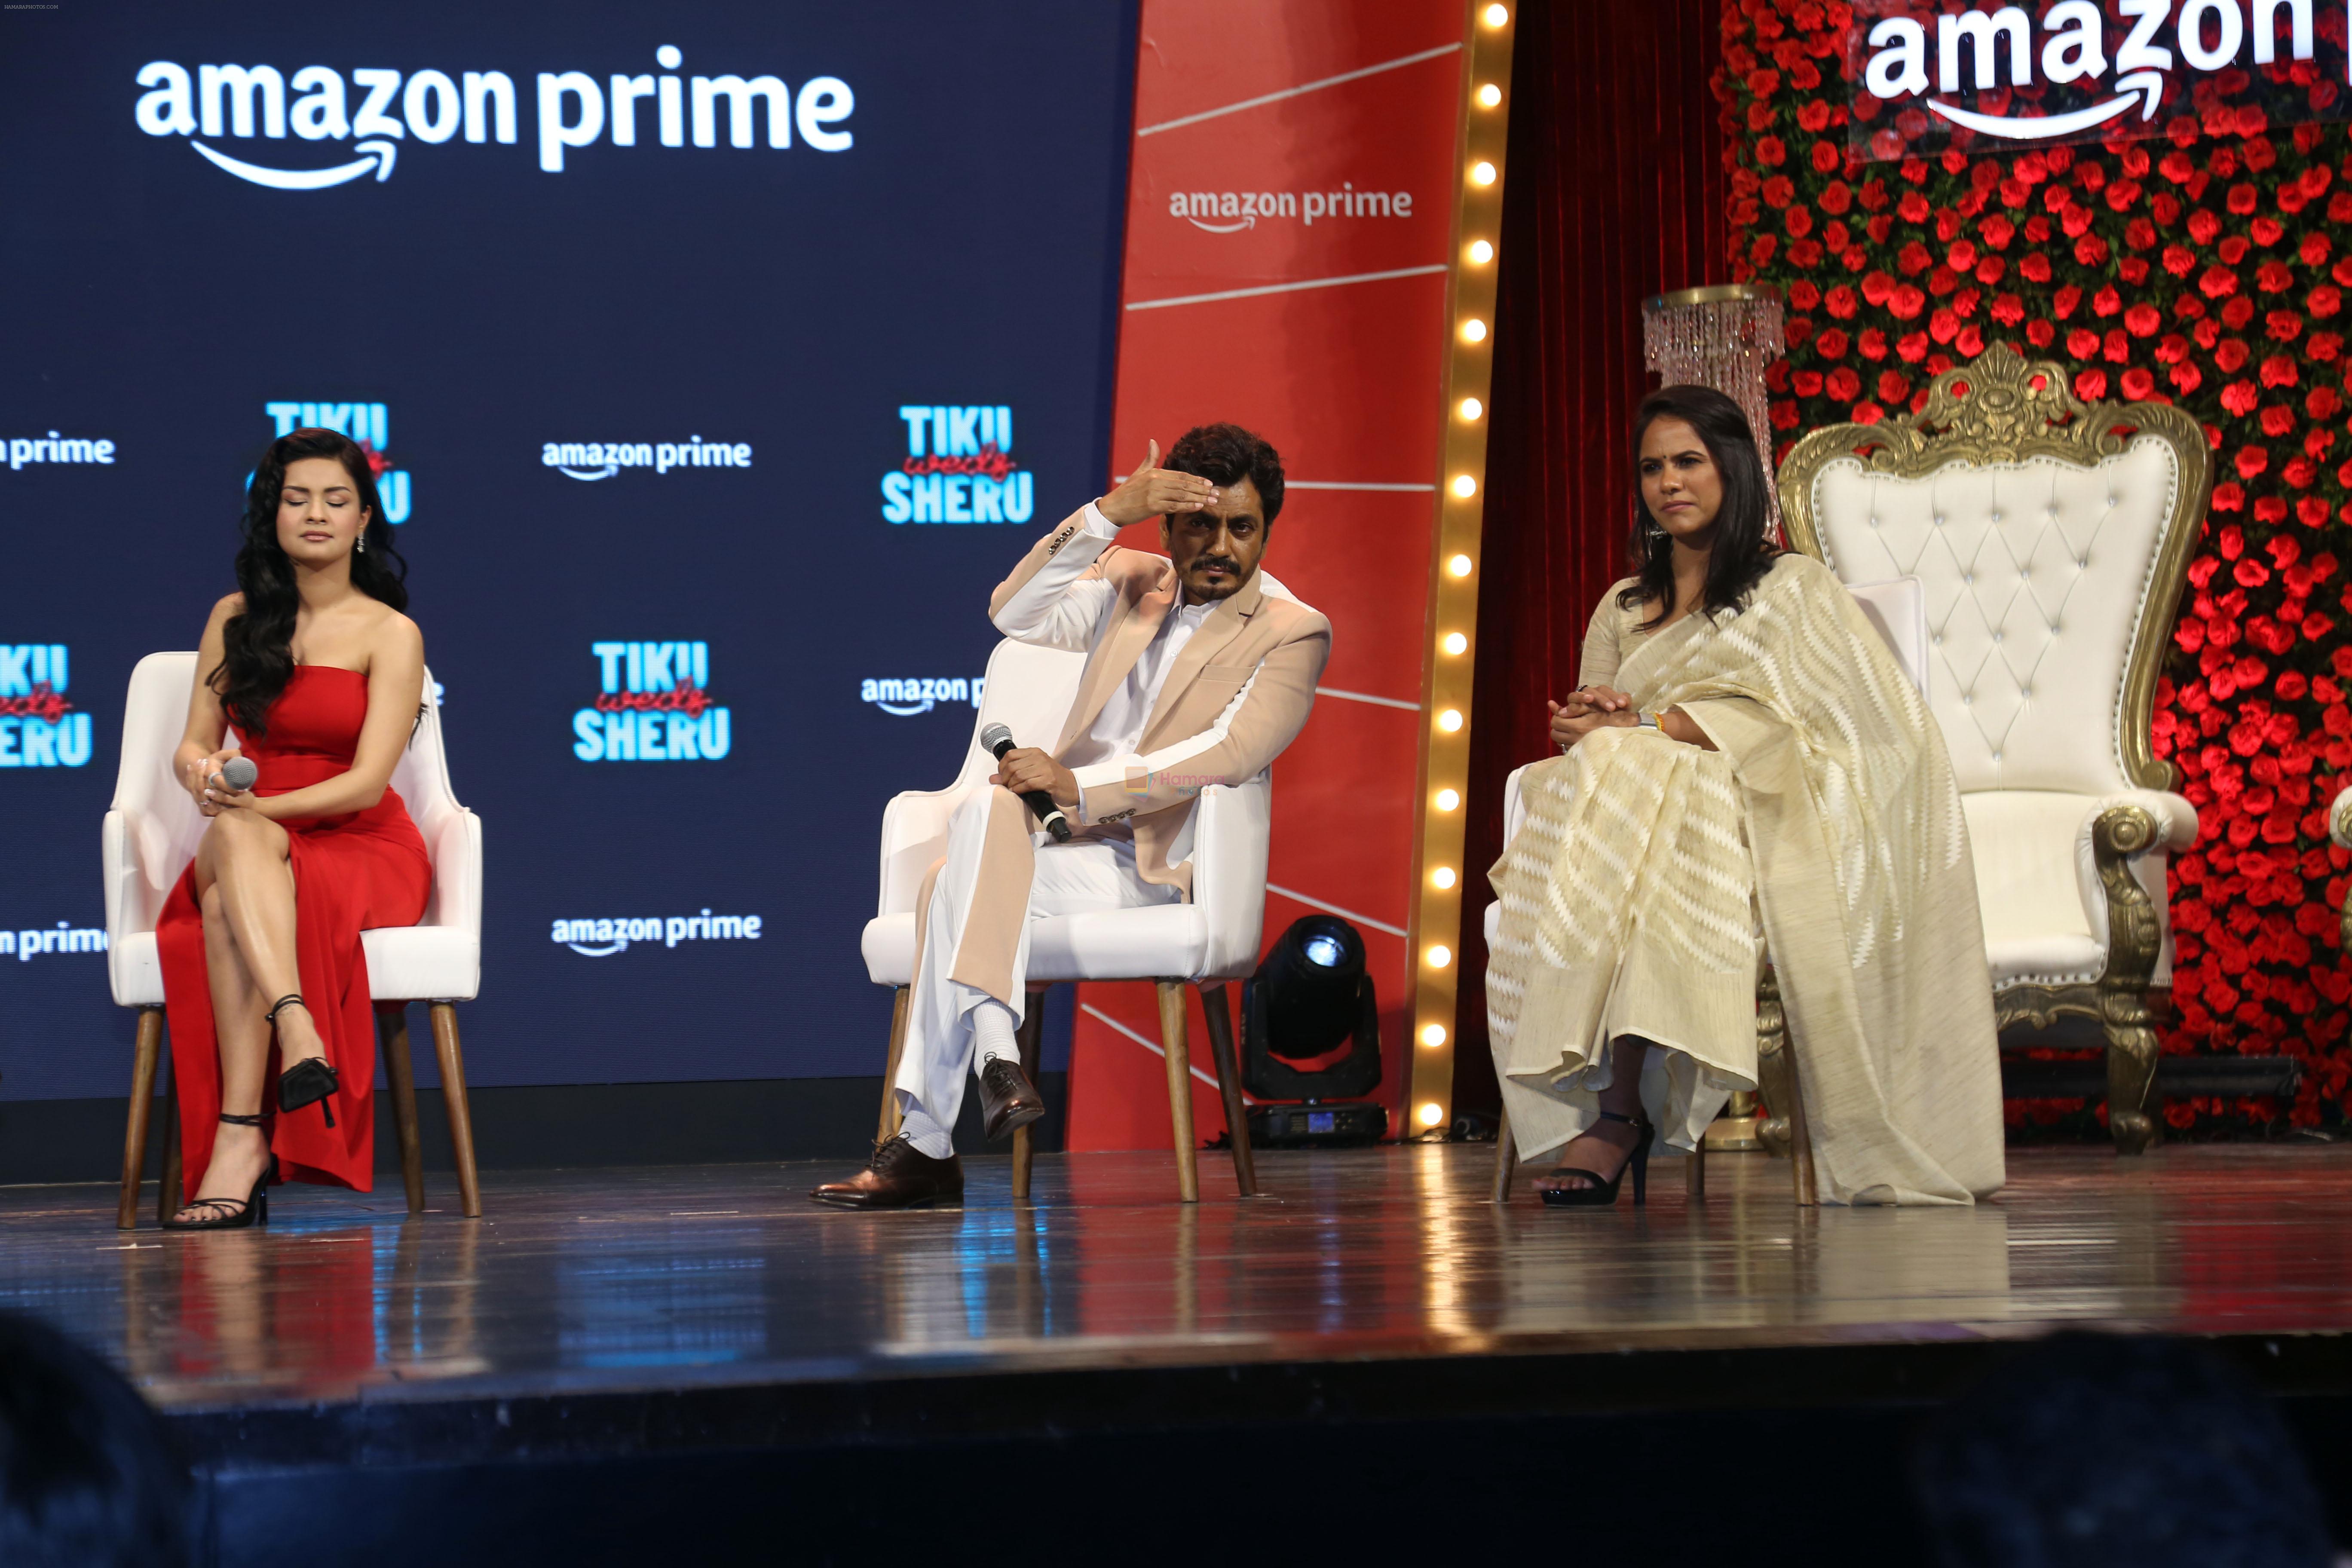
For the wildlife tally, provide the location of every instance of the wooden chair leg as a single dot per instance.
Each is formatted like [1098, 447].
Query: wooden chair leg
[146, 1052]
[461, 1115]
[1507, 1158]
[393, 1032]
[1180, 1088]
[167, 1191]
[1214, 1008]
[1784, 1132]
[887, 1125]
[1032, 1032]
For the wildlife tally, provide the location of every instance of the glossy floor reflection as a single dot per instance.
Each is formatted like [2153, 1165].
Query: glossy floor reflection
[691, 1276]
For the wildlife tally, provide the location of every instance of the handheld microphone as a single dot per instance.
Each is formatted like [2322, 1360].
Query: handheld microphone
[997, 740]
[238, 774]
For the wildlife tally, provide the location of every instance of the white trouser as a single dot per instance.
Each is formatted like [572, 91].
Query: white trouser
[1082, 877]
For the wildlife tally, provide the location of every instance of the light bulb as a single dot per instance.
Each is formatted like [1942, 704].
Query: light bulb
[1497, 15]
[1450, 720]
[1434, 1035]
[1490, 95]
[1442, 875]
[1459, 566]
[1472, 408]
[1482, 172]
[1447, 799]
[1439, 956]
[1481, 252]
[1433, 1113]
[1473, 330]
[1454, 642]
[1464, 486]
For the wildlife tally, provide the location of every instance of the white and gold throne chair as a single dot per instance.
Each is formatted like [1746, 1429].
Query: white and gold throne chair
[2050, 537]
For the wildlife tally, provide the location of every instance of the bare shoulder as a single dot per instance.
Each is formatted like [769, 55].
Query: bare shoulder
[394, 633]
[227, 606]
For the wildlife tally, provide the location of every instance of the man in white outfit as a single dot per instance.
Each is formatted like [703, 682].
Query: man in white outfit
[1199, 671]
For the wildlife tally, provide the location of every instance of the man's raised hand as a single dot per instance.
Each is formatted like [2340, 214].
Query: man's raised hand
[1154, 492]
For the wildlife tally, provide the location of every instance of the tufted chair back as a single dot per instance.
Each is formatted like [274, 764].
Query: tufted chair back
[2049, 538]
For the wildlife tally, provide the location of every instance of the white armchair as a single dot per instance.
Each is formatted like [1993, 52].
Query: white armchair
[1206, 942]
[2050, 537]
[151, 832]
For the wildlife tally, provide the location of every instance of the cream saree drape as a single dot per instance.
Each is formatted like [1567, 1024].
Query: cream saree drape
[1633, 892]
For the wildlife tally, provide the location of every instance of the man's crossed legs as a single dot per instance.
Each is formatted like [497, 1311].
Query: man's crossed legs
[971, 964]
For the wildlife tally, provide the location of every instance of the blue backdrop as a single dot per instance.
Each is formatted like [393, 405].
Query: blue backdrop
[641, 307]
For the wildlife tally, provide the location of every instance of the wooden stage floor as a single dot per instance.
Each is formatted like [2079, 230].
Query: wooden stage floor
[594, 1281]
[612, 1356]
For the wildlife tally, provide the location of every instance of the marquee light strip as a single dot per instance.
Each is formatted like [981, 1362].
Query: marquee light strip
[1439, 876]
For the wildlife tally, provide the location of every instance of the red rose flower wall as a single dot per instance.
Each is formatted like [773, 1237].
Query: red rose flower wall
[2204, 266]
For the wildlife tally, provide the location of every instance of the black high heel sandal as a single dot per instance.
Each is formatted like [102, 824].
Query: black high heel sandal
[231, 1213]
[310, 1081]
[1602, 1194]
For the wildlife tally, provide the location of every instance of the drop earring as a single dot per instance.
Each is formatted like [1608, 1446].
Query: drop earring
[359, 545]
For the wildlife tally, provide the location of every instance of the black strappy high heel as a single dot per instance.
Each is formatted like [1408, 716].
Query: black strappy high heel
[1602, 1194]
[231, 1213]
[310, 1081]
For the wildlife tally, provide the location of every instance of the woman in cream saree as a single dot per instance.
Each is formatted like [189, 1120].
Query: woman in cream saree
[1744, 778]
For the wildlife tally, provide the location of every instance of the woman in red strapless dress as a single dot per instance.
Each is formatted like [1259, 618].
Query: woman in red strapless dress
[322, 678]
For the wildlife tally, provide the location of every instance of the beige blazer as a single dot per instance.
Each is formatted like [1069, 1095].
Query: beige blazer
[1238, 693]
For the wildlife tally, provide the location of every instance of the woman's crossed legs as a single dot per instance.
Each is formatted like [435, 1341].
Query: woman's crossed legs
[245, 887]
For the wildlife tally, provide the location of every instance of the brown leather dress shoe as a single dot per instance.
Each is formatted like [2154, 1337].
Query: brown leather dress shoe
[1008, 1100]
[898, 1177]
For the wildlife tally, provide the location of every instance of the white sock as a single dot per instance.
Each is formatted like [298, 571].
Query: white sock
[925, 1133]
[993, 1036]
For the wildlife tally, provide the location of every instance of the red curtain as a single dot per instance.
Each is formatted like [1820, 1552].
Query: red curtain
[1616, 192]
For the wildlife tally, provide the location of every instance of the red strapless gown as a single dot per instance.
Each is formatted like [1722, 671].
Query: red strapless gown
[352, 872]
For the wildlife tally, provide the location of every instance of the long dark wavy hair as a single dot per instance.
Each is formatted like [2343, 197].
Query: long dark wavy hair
[1743, 549]
[257, 652]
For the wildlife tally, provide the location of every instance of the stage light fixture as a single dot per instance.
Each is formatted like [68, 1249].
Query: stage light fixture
[1311, 998]
[1459, 565]
[1439, 955]
[1472, 408]
[1473, 330]
[1484, 173]
[1450, 720]
[1464, 486]
[1447, 799]
[1431, 1114]
[1497, 15]
[1434, 1035]
[1442, 875]
[1454, 643]
[1481, 252]
[1489, 96]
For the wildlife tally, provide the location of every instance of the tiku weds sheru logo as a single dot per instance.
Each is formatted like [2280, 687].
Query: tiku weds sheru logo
[38, 727]
[655, 706]
[958, 467]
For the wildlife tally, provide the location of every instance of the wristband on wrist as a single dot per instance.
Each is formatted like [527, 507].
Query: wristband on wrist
[1648, 719]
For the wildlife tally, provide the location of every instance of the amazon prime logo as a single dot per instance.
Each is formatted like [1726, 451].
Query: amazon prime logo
[602, 460]
[905, 697]
[1230, 212]
[1926, 67]
[604, 938]
[377, 110]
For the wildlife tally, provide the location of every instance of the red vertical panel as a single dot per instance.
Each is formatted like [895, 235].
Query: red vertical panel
[1342, 376]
